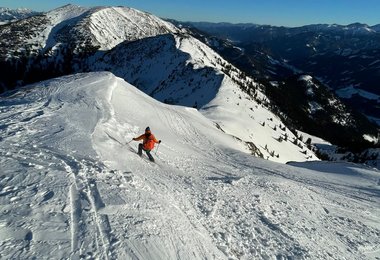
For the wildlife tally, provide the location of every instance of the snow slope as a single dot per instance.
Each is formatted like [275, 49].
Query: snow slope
[70, 186]
[179, 69]
[114, 25]
[163, 61]
[78, 29]
[81, 28]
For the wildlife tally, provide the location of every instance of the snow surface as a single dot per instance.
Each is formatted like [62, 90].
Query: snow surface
[100, 27]
[70, 186]
[322, 145]
[171, 66]
[182, 70]
[58, 19]
[114, 25]
[371, 138]
[309, 83]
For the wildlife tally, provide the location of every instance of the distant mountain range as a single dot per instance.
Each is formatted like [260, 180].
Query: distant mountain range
[244, 90]
[245, 31]
[345, 58]
[8, 15]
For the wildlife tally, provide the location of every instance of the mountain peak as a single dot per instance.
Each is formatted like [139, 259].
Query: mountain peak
[111, 26]
[67, 6]
[357, 24]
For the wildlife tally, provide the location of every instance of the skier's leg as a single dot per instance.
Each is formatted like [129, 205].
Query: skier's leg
[149, 155]
[140, 149]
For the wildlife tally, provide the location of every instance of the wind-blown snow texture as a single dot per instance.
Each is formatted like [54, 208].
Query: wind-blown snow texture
[70, 186]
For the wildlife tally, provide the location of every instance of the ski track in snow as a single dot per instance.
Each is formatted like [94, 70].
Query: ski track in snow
[89, 230]
[70, 187]
[156, 186]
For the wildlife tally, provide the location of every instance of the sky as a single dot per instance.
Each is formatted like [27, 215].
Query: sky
[272, 12]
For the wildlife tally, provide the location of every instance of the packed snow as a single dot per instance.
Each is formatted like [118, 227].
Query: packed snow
[72, 186]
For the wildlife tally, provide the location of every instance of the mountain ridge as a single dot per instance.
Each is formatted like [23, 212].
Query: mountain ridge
[77, 41]
[168, 64]
[355, 25]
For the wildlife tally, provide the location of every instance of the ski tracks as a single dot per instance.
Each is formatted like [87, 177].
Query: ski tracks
[91, 234]
[151, 212]
[23, 115]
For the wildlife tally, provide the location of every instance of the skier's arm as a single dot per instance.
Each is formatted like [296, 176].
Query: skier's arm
[156, 141]
[139, 138]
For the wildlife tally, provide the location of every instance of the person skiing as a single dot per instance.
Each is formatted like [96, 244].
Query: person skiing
[148, 143]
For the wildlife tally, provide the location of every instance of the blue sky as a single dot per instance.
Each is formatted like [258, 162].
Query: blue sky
[274, 12]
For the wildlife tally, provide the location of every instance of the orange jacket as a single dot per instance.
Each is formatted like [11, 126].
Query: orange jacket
[148, 142]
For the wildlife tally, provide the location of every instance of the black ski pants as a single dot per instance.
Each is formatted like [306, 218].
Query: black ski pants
[147, 152]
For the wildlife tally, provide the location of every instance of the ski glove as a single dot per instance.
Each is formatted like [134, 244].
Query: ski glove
[159, 141]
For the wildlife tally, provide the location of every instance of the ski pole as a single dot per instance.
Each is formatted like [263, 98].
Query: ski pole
[129, 141]
[157, 149]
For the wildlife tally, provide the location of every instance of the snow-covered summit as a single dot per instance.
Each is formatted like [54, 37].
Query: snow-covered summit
[81, 28]
[106, 27]
[71, 186]
[113, 25]
[64, 13]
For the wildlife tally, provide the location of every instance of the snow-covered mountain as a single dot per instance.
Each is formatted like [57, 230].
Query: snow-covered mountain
[376, 28]
[178, 69]
[79, 29]
[354, 49]
[163, 61]
[167, 63]
[248, 32]
[71, 186]
[261, 56]
[8, 15]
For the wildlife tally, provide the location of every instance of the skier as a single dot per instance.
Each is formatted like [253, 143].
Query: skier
[148, 143]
